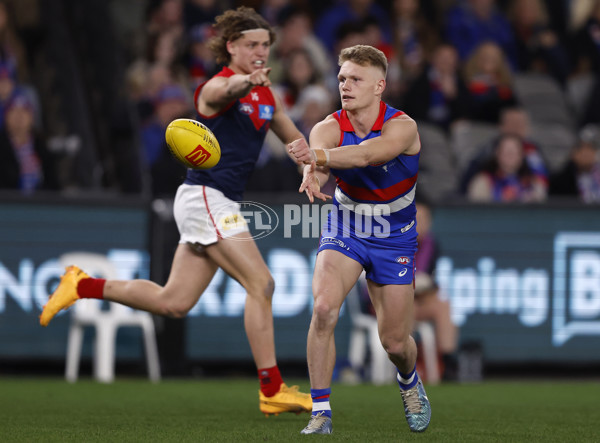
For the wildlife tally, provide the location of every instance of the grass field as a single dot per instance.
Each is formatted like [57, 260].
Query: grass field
[218, 410]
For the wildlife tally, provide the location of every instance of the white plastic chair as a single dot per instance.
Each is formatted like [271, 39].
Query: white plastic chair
[106, 323]
[364, 335]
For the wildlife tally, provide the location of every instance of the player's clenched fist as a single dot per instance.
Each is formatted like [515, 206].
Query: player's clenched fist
[260, 77]
[300, 151]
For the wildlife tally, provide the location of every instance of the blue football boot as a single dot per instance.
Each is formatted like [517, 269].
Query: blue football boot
[416, 407]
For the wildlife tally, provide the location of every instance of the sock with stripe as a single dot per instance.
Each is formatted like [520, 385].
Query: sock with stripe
[320, 399]
[270, 381]
[407, 381]
[91, 288]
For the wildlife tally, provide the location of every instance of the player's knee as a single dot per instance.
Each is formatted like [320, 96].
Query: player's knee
[395, 346]
[176, 308]
[324, 313]
[262, 285]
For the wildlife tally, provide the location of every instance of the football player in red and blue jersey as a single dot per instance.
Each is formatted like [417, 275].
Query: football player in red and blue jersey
[239, 107]
[373, 151]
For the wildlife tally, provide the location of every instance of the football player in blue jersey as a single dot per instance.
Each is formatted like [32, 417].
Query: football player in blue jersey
[239, 107]
[373, 151]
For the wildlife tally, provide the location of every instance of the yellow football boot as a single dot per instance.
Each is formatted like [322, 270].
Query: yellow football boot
[64, 295]
[287, 399]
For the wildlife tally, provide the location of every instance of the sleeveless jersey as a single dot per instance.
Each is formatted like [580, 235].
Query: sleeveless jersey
[380, 197]
[240, 128]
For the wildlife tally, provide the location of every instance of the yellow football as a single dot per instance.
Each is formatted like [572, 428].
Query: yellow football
[193, 144]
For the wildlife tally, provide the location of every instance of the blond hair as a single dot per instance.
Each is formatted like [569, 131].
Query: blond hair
[364, 55]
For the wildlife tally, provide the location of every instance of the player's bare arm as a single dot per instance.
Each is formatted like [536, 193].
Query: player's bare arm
[282, 125]
[398, 136]
[327, 134]
[218, 92]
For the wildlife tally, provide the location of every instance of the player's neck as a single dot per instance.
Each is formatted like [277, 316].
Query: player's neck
[363, 119]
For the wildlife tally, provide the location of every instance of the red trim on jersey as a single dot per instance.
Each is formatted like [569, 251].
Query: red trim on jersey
[337, 117]
[382, 194]
[346, 125]
[209, 213]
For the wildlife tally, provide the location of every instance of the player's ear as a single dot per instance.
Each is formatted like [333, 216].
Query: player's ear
[380, 87]
[230, 47]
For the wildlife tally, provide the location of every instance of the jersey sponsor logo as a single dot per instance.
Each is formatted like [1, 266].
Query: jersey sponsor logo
[198, 156]
[403, 272]
[246, 108]
[254, 96]
[265, 112]
[403, 260]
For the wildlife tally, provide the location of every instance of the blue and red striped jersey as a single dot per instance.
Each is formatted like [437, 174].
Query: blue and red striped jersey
[391, 184]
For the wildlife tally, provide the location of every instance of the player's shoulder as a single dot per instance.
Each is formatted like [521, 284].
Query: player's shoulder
[329, 123]
[328, 126]
[401, 120]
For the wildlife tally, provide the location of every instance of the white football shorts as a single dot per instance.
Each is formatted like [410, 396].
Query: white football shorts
[204, 214]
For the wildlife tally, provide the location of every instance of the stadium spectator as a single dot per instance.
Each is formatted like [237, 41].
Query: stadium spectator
[347, 12]
[430, 303]
[298, 73]
[580, 177]
[160, 66]
[583, 43]
[414, 36]
[538, 46]
[165, 16]
[489, 83]
[438, 95]
[366, 131]
[473, 22]
[513, 121]
[239, 107]
[25, 162]
[12, 49]
[295, 32]
[200, 63]
[201, 12]
[506, 176]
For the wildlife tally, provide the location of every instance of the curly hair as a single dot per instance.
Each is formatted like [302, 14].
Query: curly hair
[230, 26]
[364, 55]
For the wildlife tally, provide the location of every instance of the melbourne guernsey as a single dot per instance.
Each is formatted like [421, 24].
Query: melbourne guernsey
[240, 128]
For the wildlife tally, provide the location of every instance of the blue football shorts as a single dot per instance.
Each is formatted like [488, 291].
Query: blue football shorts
[387, 261]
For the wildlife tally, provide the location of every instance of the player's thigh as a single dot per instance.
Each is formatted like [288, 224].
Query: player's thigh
[334, 276]
[239, 257]
[394, 307]
[191, 273]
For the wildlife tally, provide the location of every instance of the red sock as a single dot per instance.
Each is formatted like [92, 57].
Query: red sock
[91, 288]
[270, 381]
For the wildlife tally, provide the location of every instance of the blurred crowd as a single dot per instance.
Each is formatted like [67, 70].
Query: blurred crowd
[506, 92]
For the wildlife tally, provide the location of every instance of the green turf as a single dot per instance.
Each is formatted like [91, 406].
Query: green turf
[46, 410]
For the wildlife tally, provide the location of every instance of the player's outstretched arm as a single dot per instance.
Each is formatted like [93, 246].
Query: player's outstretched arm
[398, 136]
[283, 126]
[218, 92]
